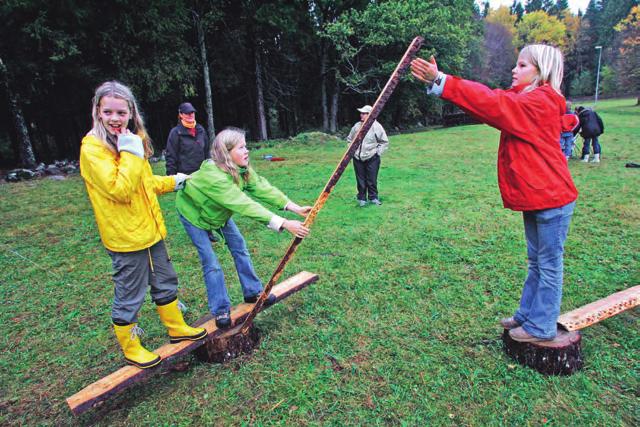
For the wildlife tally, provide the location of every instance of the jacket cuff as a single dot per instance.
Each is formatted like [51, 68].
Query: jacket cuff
[436, 89]
[276, 223]
[288, 205]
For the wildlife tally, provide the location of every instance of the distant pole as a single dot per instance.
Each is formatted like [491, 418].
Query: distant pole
[598, 73]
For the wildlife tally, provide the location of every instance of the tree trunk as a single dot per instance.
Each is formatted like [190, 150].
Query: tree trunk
[26, 149]
[205, 73]
[561, 356]
[24, 142]
[262, 119]
[323, 88]
[334, 108]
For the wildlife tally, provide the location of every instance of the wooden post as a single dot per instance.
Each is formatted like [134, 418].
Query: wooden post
[129, 375]
[384, 96]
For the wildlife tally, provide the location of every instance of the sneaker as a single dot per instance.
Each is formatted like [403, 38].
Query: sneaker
[362, 203]
[520, 335]
[376, 202]
[509, 323]
[271, 299]
[223, 320]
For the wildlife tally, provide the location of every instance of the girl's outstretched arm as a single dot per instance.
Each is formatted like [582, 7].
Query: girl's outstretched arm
[509, 111]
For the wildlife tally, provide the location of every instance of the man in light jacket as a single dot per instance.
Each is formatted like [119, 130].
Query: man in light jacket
[366, 159]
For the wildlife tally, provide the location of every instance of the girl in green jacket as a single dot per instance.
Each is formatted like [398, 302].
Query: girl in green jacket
[213, 194]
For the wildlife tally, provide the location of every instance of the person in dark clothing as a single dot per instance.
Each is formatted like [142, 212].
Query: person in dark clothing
[591, 127]
[188, 143]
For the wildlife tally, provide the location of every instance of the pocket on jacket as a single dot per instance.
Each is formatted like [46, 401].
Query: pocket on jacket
[532, 175]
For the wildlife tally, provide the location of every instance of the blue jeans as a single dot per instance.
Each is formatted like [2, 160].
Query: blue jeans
[217, 296]
[546, 231]
[566, 143]
[596, 146]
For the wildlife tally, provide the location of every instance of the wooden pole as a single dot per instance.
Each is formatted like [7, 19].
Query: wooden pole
[388, 89]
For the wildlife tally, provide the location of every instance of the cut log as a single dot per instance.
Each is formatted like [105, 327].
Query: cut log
[599, 310]
[130, 375]
[229, 345]
[561, 356]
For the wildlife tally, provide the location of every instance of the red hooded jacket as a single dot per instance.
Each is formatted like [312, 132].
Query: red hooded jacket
[533, 173]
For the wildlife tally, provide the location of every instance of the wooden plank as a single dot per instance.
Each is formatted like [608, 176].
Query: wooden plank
[130, 375]
[597, 311]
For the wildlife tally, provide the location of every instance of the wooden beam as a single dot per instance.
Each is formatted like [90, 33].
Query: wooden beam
[130, 375]
[597, 311]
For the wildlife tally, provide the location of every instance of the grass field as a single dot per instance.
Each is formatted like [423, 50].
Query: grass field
[401, 329]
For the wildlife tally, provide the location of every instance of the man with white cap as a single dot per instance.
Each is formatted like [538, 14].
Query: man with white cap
[366, 159]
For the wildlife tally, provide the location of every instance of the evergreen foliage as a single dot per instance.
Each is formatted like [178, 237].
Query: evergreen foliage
[276, 67]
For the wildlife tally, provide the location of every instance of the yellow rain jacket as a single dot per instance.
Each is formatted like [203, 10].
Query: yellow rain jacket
[122, 190]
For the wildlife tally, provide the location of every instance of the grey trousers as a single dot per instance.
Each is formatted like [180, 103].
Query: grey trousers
[133, 272]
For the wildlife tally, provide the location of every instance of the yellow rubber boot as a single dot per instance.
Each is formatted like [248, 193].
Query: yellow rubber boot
[134, 352]
[171, 317]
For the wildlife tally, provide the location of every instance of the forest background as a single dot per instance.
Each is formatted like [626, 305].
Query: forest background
[279, 67]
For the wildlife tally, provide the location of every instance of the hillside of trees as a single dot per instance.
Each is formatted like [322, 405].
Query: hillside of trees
[278, 67]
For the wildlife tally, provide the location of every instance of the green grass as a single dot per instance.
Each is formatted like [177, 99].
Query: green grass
[401, 328]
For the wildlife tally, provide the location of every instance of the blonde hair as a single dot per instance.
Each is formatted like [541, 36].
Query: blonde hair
[116, 89]
[222, 144]
[549, 62]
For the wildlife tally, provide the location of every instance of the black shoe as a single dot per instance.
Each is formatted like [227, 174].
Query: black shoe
[223, 320]
[271, 299]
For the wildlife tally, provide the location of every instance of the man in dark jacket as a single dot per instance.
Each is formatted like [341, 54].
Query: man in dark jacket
[187, 144]
[591, 127]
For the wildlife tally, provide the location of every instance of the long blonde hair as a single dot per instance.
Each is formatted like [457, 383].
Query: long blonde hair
[222, 144]
[116, 89]
[549, 62]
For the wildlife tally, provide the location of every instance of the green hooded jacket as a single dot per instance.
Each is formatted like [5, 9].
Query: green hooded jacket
[211, 197]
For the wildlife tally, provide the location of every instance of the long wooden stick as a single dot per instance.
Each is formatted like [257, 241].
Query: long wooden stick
[604, 308]
[388, 89]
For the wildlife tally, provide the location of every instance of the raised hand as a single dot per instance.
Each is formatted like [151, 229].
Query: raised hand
[131, 143]
[425, 71]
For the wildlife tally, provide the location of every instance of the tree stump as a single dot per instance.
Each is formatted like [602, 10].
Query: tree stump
[230, 345]
[561, 356]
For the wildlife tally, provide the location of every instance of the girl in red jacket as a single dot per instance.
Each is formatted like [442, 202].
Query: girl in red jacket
[533, 174]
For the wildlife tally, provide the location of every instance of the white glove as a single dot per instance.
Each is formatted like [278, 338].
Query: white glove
[180, 180]
[131, 143]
